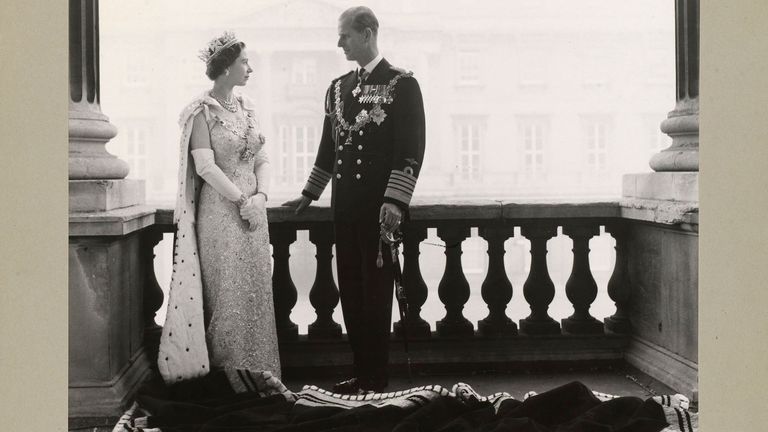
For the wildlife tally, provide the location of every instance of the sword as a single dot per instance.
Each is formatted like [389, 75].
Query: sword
[393, 239]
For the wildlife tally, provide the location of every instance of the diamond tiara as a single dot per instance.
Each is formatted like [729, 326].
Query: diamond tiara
[216, 46]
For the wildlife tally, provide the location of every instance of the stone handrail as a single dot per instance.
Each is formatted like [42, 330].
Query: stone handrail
[453, 219]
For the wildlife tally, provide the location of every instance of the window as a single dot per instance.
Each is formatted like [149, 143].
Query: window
[596, 147]
[468, 67]
[532, 133]
[304, 71]
[469, 135]
[298, 144]
[135, 139]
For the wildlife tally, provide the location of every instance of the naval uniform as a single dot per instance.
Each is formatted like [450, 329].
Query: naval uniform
[371, 152]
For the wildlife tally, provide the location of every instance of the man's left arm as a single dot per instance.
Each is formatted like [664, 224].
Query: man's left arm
[409, 141]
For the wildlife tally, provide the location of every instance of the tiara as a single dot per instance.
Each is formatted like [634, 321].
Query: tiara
[217, 45]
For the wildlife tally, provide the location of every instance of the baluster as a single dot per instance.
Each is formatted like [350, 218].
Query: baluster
[581, 288]
[283, 287]
[324, 295]
[415, 288]
[618, 286]
[153, 294]
[538, 289]
[454, 287]
[496, 289]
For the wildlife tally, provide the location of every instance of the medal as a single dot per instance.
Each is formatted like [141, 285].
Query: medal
[377, 94]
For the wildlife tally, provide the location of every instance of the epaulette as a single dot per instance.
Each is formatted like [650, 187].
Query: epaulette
[399, 70]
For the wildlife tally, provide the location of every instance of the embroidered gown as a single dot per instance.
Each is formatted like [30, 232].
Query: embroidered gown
[235, 262]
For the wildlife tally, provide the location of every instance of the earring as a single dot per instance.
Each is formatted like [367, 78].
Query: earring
[226, 72]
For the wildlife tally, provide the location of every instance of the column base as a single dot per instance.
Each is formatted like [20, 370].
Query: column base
[494, 328]
[324, 331]
[109, 398]
[669, 186]
[455, 328]
[104, 195]
[582, 326]
[679, 373]
[539, 327]
[288, 332]
[416, 329]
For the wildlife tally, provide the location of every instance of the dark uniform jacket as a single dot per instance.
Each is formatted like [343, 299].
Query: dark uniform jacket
[372, 145]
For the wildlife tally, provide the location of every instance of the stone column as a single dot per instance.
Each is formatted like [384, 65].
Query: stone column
[108, 268]
[96, 176]
[676, 168]
[656, 297]
[682, 124]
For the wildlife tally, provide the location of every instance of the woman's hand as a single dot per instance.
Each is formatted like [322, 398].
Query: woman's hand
[251, 209]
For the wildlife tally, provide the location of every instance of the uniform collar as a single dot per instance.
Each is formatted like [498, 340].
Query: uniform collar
[373, 63]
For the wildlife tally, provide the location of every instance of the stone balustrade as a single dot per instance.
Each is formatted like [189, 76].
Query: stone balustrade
[499, 340]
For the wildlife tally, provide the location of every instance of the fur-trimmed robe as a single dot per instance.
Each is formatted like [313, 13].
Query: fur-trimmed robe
[183, 352]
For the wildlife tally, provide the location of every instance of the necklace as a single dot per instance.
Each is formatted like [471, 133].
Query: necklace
[229, 105]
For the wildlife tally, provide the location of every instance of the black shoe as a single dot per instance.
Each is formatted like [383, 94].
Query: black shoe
[350, 386]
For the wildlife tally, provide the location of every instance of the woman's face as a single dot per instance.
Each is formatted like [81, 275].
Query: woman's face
[240, 70]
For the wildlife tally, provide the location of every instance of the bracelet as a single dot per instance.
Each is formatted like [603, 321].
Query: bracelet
[243, 199]
[266, 198]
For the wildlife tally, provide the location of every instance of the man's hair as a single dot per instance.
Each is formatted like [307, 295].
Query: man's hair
[362, 18]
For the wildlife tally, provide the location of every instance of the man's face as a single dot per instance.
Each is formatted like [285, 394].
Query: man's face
[351, 41]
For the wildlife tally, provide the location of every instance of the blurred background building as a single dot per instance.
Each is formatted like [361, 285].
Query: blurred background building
[523, 99]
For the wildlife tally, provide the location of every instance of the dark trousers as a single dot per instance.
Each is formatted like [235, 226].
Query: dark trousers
[366, 299]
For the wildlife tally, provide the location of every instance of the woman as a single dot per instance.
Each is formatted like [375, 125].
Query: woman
[220, 309]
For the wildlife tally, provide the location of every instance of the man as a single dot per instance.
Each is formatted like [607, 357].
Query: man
[371, 150]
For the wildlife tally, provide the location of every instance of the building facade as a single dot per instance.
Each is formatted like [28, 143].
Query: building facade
[523, 100]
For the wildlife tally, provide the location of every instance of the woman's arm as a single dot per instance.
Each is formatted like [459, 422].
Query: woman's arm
[205, 163]
[263, 172]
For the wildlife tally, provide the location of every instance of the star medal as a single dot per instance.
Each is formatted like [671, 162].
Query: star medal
[377, 114]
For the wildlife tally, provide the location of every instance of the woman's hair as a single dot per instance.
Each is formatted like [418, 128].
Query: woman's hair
[223, 60]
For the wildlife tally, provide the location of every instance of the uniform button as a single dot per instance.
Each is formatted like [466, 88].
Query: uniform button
[358, 176]
[360, 147]
[338, 176]
[341, 133]
[341, 147]
[359, 161]
[361, 133]
[339, 162]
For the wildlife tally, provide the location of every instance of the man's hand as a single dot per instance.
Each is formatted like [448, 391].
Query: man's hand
[390, 216]
[299, 204]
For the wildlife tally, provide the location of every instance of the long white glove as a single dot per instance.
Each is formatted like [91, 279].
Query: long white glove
[205, 166]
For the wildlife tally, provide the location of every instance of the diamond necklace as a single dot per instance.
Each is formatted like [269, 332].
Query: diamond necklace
[230, 105]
